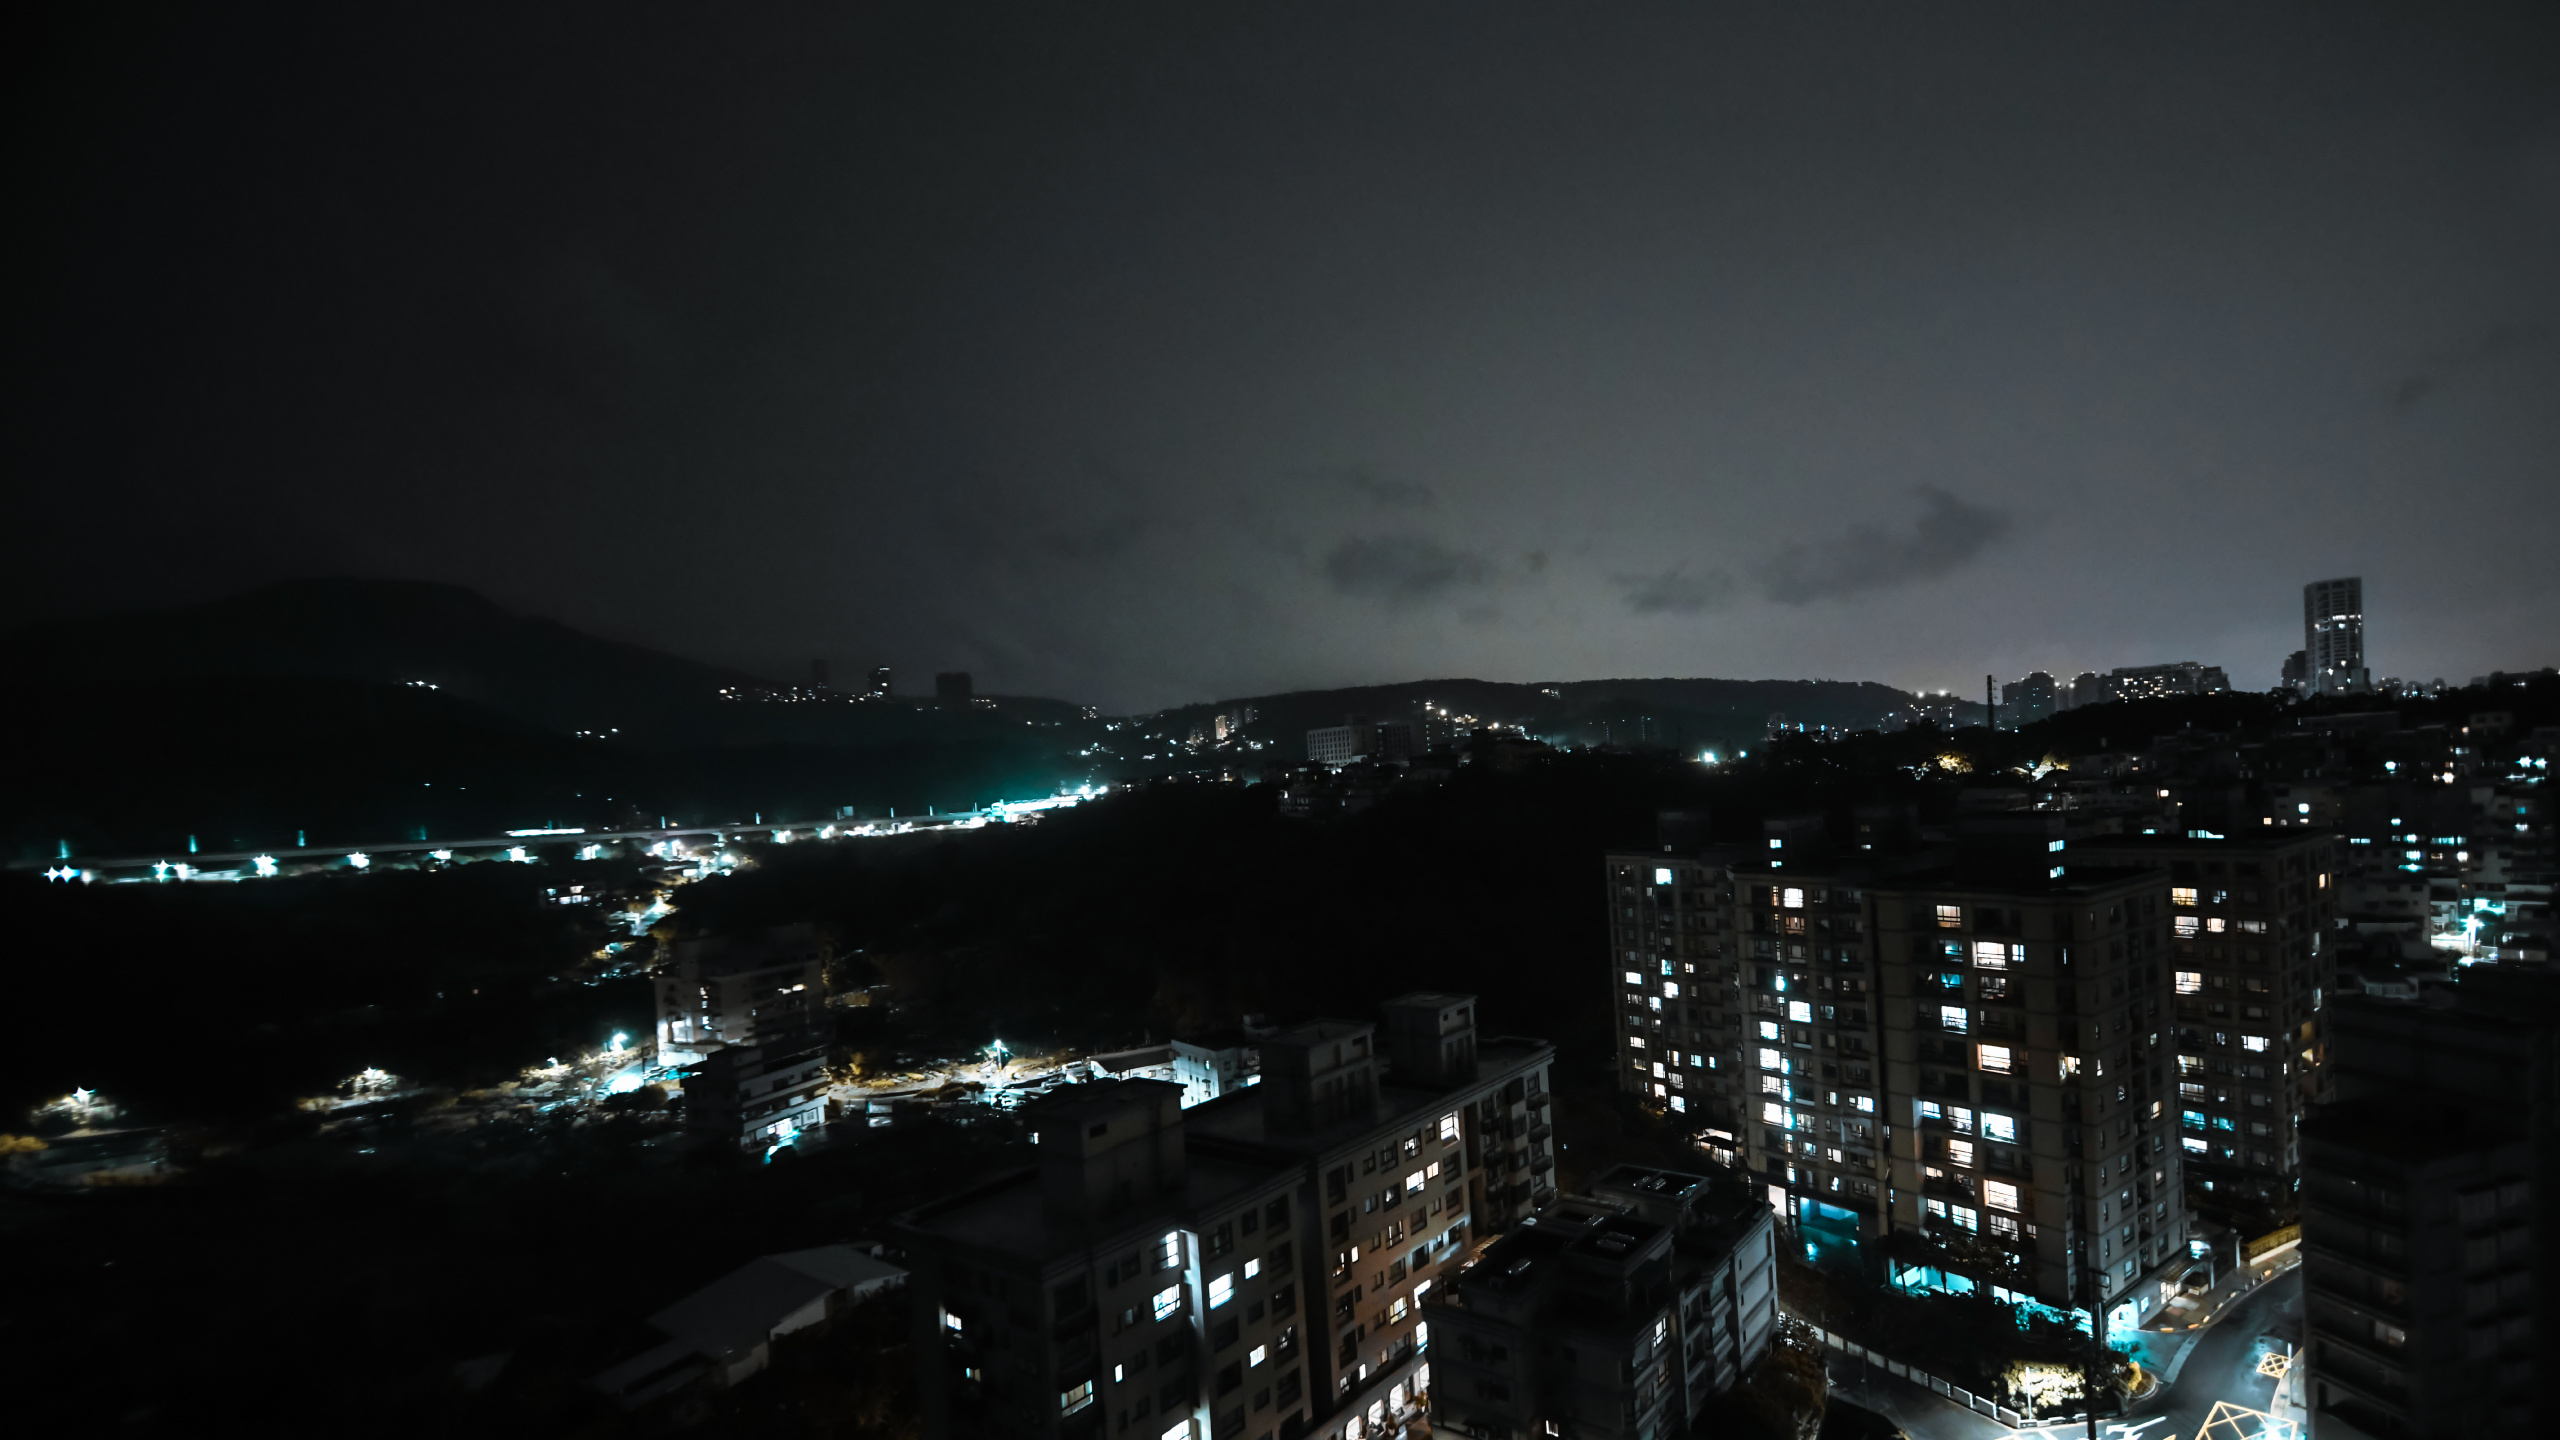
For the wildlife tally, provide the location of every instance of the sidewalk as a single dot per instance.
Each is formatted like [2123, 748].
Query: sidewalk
[2162, 1349]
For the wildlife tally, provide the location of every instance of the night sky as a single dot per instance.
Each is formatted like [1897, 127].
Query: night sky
[1142, 354]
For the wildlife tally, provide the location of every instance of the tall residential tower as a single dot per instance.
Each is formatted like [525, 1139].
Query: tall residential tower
[2333, 637]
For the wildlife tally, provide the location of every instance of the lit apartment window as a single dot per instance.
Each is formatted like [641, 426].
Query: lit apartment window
[2000, 1195]
[2190, 982]
[1960, 1152]
[2190, 1064]
[1990, 955]
[1168, 1300]
[1950, 917]
[1633, 978]
[1661, 877]
[1449, 1127]
[2003, 1128]
[1768, 1058]
[1169, 1251]
[1866, 1104]
[2182, 895]
[1995, 1058]
[1635, 1042]
[1771, 1114]
[1670, 989]
[1793, 898]
[1800, 1011]
[1951, 1017]
[2187, 927]
[1768, 1029]
[2253, 1042]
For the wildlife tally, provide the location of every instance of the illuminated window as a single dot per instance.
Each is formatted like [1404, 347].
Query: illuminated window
[1252, 1268]
[1414, 1182]
[1657, 1069]
[1793, 898]
[1636, 1041]
[1670, 989]
[1930, 1110]
[2190, 981]
[2000, 1127]
[1071, 1401]
[1169, 1251]
[2214, 925]
[2192, 1119]
[1990, 954]
[1679, 1104]
[1961, 1118]
[2194, 1143]
[1951, 1017]
[1256, 1356]
[2000, 1195]
[2190, 1064]
[1634, 979]
[1771, 1114]
[1960, 1152]
[1995, 1058]
[1449, 1127]
[2187, 927]
[2182, 895]
[1168, 1300]
[1768, 1029]
[1661, 877]
[1950, 917]
[1800, 1012]
[2070, 1066]
[2253, 1042]
[1866, 1104]
[1768, 1059]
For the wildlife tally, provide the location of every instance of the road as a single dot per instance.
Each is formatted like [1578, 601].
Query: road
[2222, 1366]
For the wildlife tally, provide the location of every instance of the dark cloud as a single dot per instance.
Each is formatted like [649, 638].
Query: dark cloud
[1949, 533]
[2497, 342]
[1675, 591]
[1403, 569]
[1388, 494]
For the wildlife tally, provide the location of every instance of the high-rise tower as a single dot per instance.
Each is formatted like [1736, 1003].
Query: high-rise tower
[2333, 636]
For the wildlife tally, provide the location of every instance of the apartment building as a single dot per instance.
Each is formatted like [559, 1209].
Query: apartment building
[2252, 922]
[733, 990]
[1679, 1015]
[1250, 1267]
[2430, 1201]
[1616, 1314]
[2027, 1080]
[762, 1094]
[1968, 1041]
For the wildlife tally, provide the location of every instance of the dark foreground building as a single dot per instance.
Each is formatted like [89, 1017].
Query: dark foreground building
[1251, 1267]
[1618, 1315]
[2430, 1269]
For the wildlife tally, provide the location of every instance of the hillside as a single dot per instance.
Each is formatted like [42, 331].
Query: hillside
[1673, 714]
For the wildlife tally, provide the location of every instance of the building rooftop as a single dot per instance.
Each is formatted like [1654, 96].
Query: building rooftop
[1236, 1118]
[1006, 1213]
